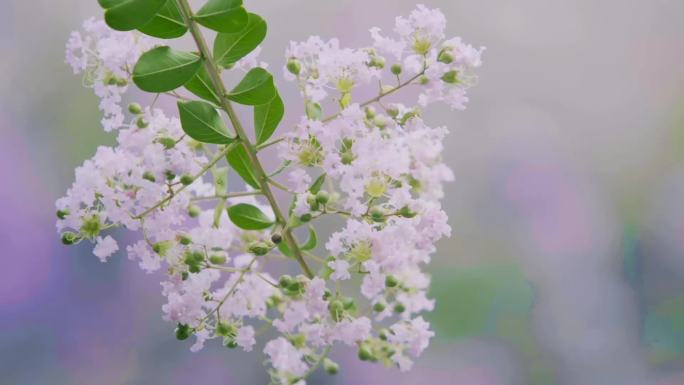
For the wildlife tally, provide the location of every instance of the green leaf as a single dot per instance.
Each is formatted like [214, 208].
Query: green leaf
[127, 15]
[231, 47]
[223, 15]
[254, 89]
[167, 23]
[317, 184]
[163, 69]
[285, 250]
[239, 161]
[203, 123]
[312, 242]
[202, 86]
[267, 117]
[248, 217]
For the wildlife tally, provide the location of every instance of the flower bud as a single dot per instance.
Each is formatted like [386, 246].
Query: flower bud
[406, 212]
[445, 57]
[322, 197]
[230, 343]
[141, 122]
[61, 214]
[336, 308]
[217, 259]
[379, 307]
[135, 109]
[259, 248]
[170, 175]
[167, 142]
[121, 82]
[384, 334]
[183, 332]
[69, 238]
[194, 269]
[370, 112]
[396, 69]
[399, 308]
[149, 176]
[377, 62]
[330, 366]
[184, 239]
[285, 281]
[305, 218]
[377, 214]
[450, 77]
[276, 238]
[393, 111]
[162, 248]
[294, 66]
[225, 330]
[380, 121]
[187, 180]
[391, 281]
[194, 211]
[365, 353]
[424, 80]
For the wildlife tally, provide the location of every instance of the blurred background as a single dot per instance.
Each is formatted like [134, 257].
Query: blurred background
[566, 263]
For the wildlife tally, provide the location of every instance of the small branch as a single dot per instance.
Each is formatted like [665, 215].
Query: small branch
[227, 196]
[198, 175]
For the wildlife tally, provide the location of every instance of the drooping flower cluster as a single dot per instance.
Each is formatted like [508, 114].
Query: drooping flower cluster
[375, 164]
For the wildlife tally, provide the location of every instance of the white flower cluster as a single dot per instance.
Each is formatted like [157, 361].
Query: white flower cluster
[377, 165]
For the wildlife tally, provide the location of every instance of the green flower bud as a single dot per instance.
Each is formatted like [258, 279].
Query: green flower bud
[322, 197]
[423, 80]
[187, 180]
[259, 248]
[336, 309]
[141, 122]
[305, 218]
[193, 258]
[406, 212]
[149, 176]
[194, 211]
[185, 275]
[162, 248]
[378, 214]
[135, 109]
[450, 77]
[121, 82]
[370, 112]
[399, 308]
[391, 281]
[230, 343]
[365, 353]
[183, 332]
[396, 69]
[167, 142]
[194, 269]
[384, 334]
[225, 330]
[170, 175]
[294, 66]
[379, 307]
[393, 111]
[69, 238]
[61, 214]
[445, 57]
[347, 157]
[348, 303]
[285, 281]
[377, 62]
[217, 259]
[330, 366]
[380, 121]
[184, 239]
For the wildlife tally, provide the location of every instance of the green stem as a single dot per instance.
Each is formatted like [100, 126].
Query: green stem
[242, 137]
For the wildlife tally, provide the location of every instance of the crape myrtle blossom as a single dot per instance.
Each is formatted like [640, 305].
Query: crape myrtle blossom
[374, 163]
